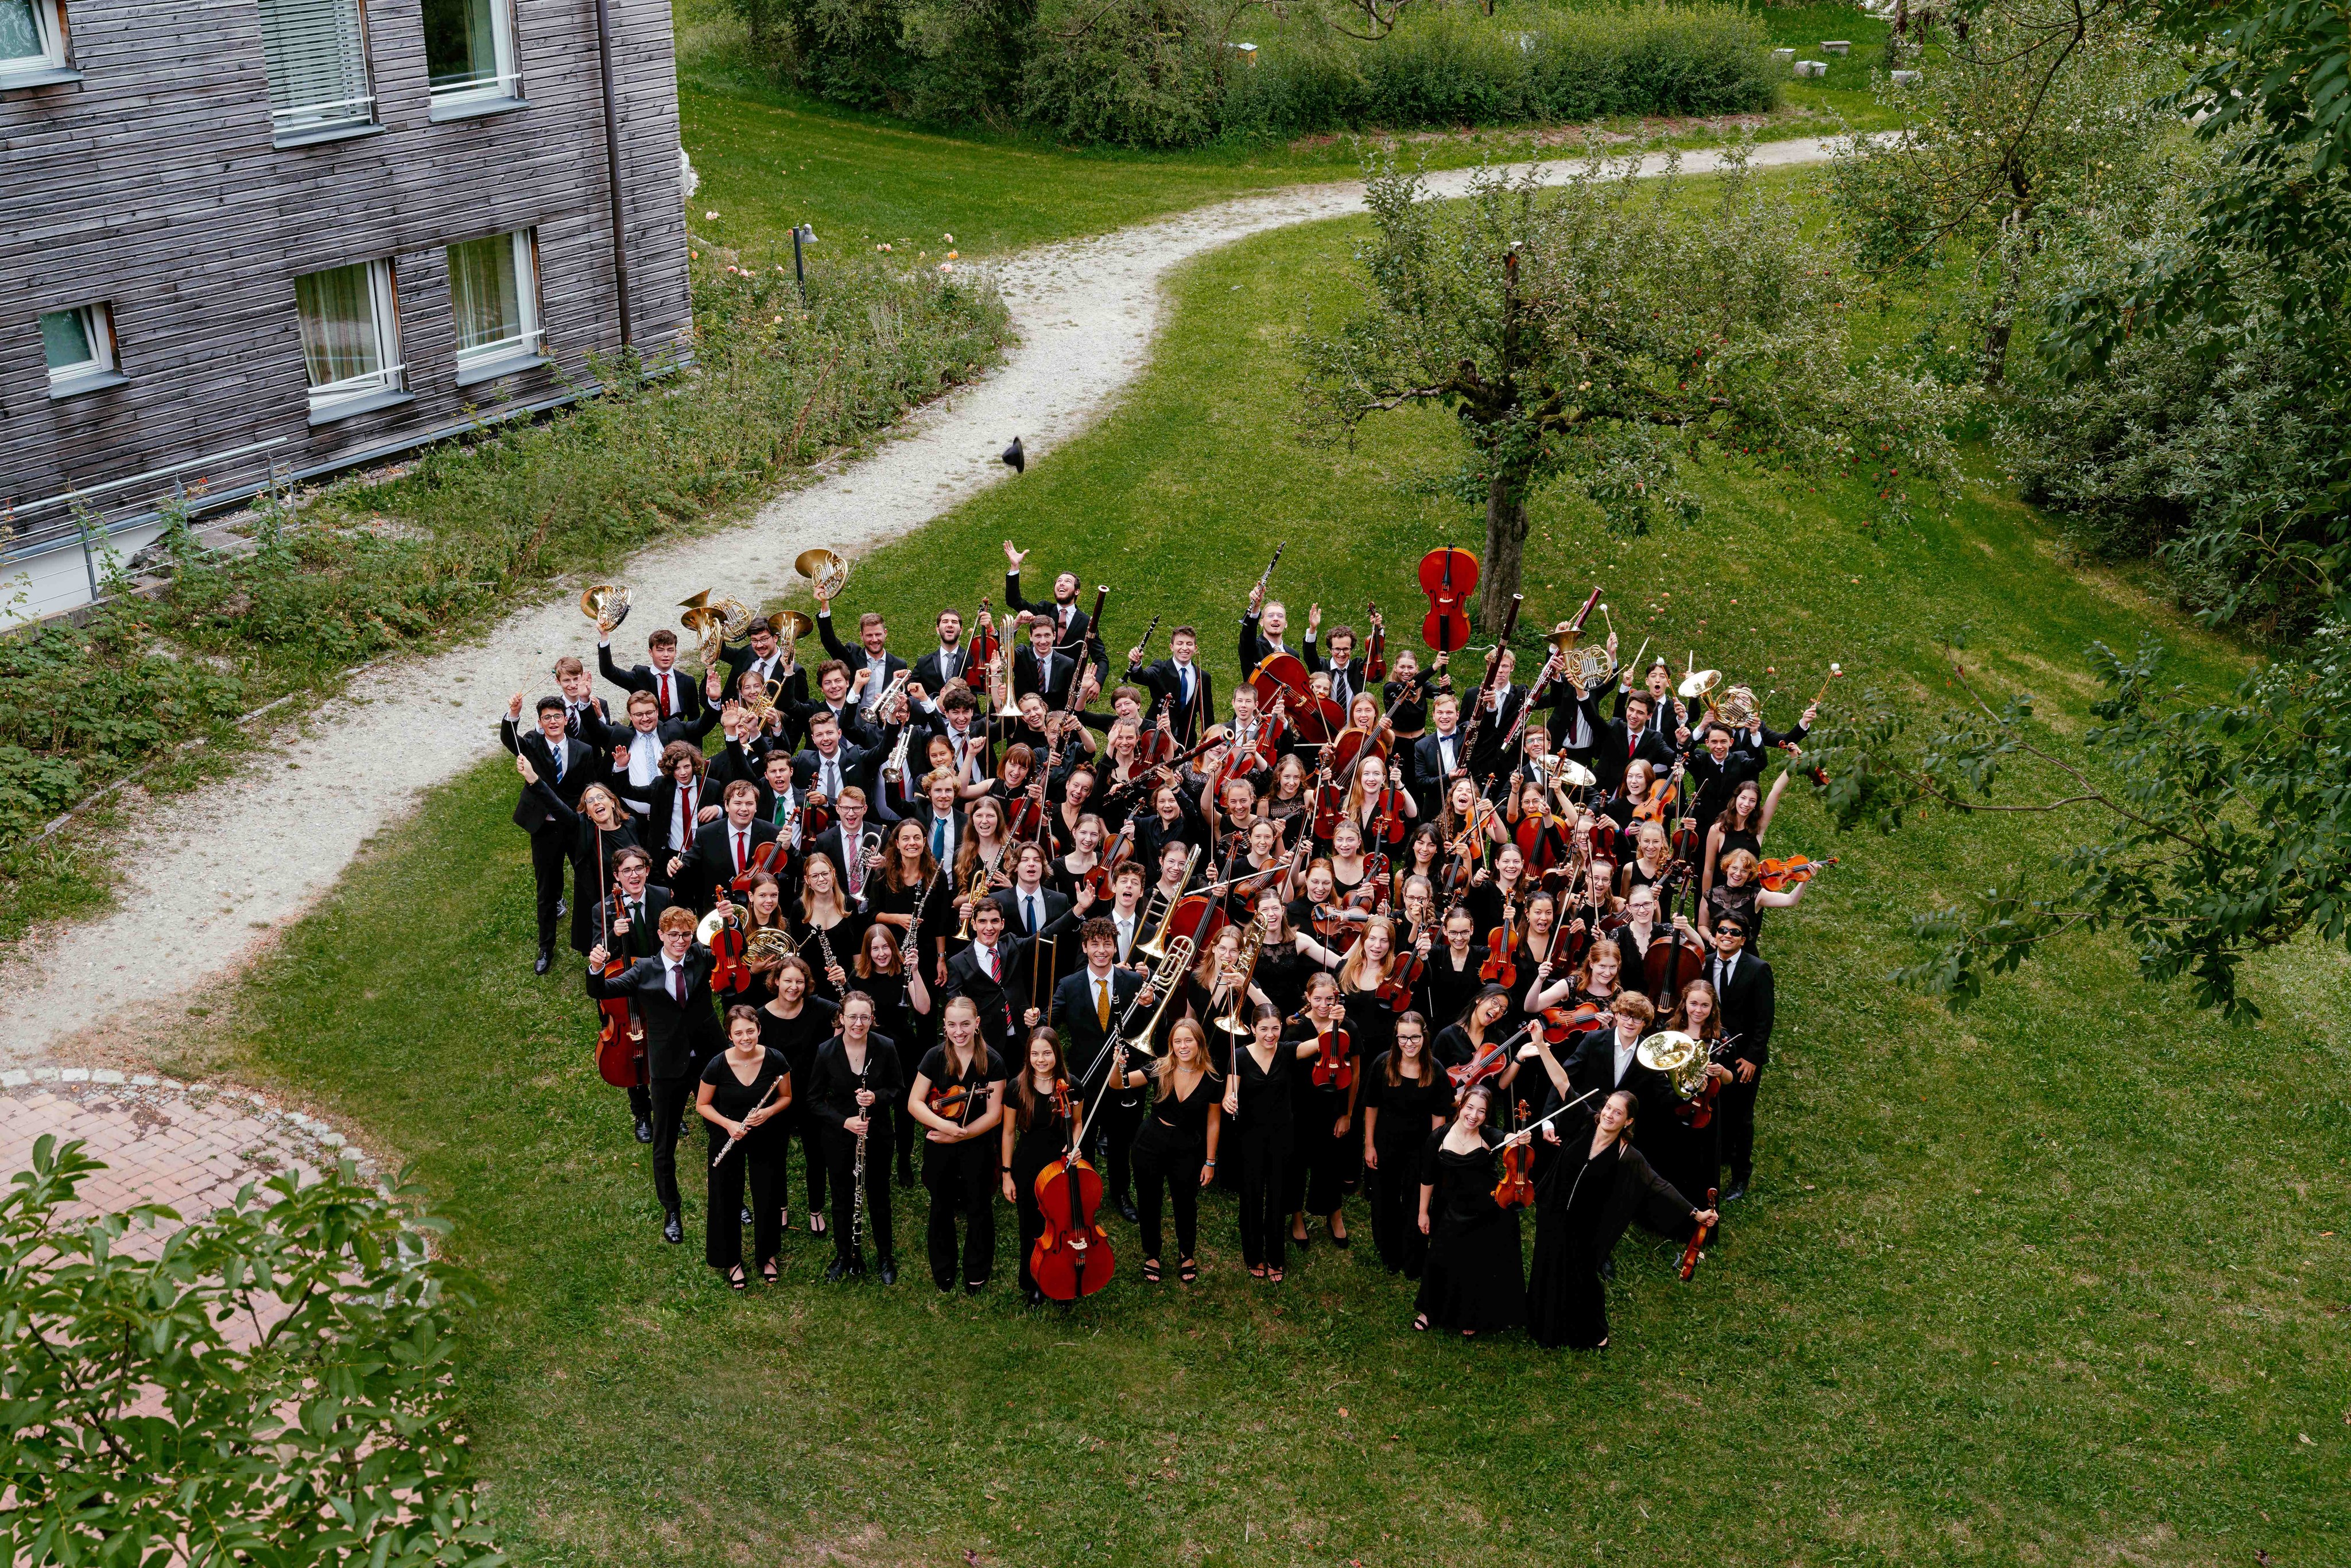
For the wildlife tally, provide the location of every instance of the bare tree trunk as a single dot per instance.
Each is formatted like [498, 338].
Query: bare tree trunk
[1506, 539]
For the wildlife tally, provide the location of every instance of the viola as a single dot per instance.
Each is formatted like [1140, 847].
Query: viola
[1324, 807]
[1487, 1063]
[1516, 1187]
[1776, 875]
[1026, 816]
[1449, 577]
[1334, 1061]
[621, 1043]
[1098, 877]
[1159, 740]
[984, 641]
[1072, 1258]
[730, 974]
[1559, 1023]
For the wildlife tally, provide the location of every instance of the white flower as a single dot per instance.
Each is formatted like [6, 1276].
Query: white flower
[713, 217]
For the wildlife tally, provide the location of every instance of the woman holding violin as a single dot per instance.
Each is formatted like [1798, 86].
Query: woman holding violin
[1176, 1148]
[1285, 956]
[1424, 857]
[1595, 1186]
[1742, 826]
[1652, 862]
[958, 1099]
[1739, 893]
[744, 1090]
[1373, 987]
[1263, 867]
[1323, 1160]
[1259, 1106]
[1497, 905]
[794, 1022]
[1407, 1097]
[1086, 841]
[1472, 1280]
[1695, 1164]
[600, 828]
[1351, 872]
[1408, 696]
[1584, 990]
[1472, 1042]
[1045, 1116]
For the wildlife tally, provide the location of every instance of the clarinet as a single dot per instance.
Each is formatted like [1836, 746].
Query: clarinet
[908, 954]
[857, 1169]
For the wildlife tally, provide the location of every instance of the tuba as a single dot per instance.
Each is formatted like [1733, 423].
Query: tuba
[607, 604]
[720, 621]
[827, 573]
[1682, 1058]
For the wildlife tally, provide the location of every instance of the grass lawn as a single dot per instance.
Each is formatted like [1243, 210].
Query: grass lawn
[2044, 1284]
[771, 158]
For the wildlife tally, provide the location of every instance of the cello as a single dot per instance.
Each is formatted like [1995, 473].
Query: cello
[1072, 1258]
[1449, 577]
[620, 1042]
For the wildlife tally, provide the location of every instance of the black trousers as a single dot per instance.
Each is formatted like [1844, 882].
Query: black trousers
[550, 862]
[1394, 1190]
[840, 1165]
[803, 1125]
[669, 1098]
[961, 1179]
[1321, 1162]
[1111, 1146]
[760, 1159]
[1264, 1165]
[1177, 1169]
[1735, 1113]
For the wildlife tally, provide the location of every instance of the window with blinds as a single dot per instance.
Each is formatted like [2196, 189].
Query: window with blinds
[351, 335]
[317, 55]
[493, 296]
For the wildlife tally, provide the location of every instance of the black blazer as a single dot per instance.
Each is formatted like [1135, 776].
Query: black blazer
[1081, 1031]
[1747, 1005]
[1056, 905]
[1613, 748]
[1428, 769]
[690, 730]
[662, 799]
[1594, 1066]
[854, 653]
[858, 765]
[931, 674]
[854, 730]
[1253, 647]
[711, 862]
[1053, 681]
[1711, 785]
[1001, 1003]
[645, 678]
[643, 938]
[581, 768]
[1191, 719]
[732, 762]
[1066, 633]
[678, 1040]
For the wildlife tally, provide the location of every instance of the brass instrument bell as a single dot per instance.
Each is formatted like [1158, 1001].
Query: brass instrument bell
[768, 946]
[827, 573]
[1698, 685]
[1739, 708]
[1682, 1058]
[789, 626]
[607, 604]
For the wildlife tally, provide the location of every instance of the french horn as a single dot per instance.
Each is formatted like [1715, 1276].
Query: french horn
[607, 604]
[827, 573]
[1739, 708]
[1682, 1058]
[768, 946]
[1697, 686]
[718, 619]
[789, 626]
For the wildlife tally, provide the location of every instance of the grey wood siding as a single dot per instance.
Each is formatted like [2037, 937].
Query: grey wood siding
[152, 185]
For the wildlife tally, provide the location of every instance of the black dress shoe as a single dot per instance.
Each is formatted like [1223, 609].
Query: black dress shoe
[745, 1217]
[836, 1272]
[1036, 1298]
[1608, 1268]
[971, 1290]
[644, 1130]
[672, 1228]
[1128, 1212]
[1735, 1194]
[546, 961]
[889, 1270]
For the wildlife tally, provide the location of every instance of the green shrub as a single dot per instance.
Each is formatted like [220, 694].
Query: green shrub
[1134, 73]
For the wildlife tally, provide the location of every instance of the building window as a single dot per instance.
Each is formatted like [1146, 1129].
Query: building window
[493, 295]
[350, 337]
[80, 347]
[469, 50]
[31, 40]
[316, 56]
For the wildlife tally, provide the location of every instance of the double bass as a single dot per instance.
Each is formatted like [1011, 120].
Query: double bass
[1072, 1258]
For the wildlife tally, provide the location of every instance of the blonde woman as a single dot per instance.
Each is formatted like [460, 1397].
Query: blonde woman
[1176, 1147]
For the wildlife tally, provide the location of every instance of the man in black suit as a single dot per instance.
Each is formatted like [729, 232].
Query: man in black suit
[1087, 1002]
[635, 751]
[1069, 623]
[671, 992]
[1263, 625]
[1743, 986]
[628, 925]
[679, 803]
[1667, 716]
[759, 652]
[834, 697]
[1605, 1061]
[723, 850]
[1617, 741]
[582, 706]
[566, 767]
[676, 695]
[1179, 679]
[843, 843]
[871, 664]
[1349, 675]
[1438, 757]
[745, 756]
[990, 973]
[1037, 912]
[1715, 772]
[945, 663]
[831, 765]
[1042, 667]
[1503, 700]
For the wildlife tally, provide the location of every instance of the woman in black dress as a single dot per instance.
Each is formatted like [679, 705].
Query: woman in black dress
[900, 1003]
[795, 1023]
[1259, 1100]
[1329, 1085]
[1036, 1134]
[1742, 826]
[599, 829]
[1597, 1184]
[746, 1089]
[827, 928]
[1472, 1280]
[856, 1071]
[1406, 1097]
[1176, 1147]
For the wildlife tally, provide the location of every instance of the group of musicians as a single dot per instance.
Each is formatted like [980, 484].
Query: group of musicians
[1358, 928]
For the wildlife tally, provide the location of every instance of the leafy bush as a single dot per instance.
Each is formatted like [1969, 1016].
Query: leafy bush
[365, 570]
[139, 1427]
[1136, 73]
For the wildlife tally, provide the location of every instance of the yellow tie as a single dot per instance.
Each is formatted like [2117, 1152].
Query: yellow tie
[1102, 1000]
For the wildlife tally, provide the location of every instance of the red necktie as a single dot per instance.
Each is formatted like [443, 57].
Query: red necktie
[989, 954]
[664, 689]
[677, 979]
[738, 852]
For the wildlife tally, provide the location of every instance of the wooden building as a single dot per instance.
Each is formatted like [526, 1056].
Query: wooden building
[241, 239]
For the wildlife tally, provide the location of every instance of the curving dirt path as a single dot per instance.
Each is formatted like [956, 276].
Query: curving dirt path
[223, 866]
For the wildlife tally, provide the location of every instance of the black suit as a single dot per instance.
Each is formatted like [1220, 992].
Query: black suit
[932, 671]
[665, 801]
[1429, 777]
[1053, 681]
[1594, 1066]
[689, 702]
[1354, 673]
[1712, 784]
[1253, 646]
[711, 862]
[829, 844]
[1614, 747]
[1193, 719]
[1074, 1018]
[550, 835]
[856, 766]
[734, 760]
[1069, 623]
[1002, 1001]
[1746, 1004]
[1054, 945]
[641, 940]
[853, 655]
[679, 1038]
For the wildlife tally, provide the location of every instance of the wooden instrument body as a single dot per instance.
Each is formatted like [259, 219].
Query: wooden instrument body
[1072, 1258]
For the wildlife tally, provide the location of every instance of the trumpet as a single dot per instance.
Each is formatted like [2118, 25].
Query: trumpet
[827, 573]
[607, 604]
[972, 895]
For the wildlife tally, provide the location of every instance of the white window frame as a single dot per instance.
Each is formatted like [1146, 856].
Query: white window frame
[504, 87]
[50, 24]
[383, 296]
[473, 362]
[297, 123]
[99, 370]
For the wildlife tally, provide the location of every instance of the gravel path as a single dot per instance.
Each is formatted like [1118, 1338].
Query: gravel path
[222, 866]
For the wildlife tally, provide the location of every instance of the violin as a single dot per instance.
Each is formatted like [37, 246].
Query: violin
[1497, 969]
[1375, 663]
[1072, 1258]
[953, 1101]
[730, 974]
[1449, 577]
[1098, 877]
[1327, 801]
[1158, 741]
[1487, 1063]
[1516, 1187]
[1698, 1111]
[763, 859]
[1697, 1241]
[1559, 1023]
[1661, 798]
[984, 639]
[1334, 1061]
[1777, 874]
